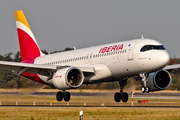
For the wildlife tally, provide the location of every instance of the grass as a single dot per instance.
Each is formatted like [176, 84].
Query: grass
[94, 113]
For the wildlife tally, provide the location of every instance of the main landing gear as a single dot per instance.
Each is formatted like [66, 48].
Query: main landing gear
[143, 76]
[118, 96]
[60, 95]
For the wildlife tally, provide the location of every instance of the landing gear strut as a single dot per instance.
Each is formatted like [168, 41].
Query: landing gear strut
[118, 96]
[143, 77]
[60, 95]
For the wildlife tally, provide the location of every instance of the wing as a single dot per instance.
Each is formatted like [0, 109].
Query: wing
[170, 68]
[25, 67]
[37, 68]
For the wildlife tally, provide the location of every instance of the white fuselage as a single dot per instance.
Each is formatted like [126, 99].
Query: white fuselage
[111, 62]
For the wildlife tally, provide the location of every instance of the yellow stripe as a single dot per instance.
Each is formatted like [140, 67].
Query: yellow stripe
[19, 15]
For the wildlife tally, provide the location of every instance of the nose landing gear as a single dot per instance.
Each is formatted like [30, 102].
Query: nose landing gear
[143, 76]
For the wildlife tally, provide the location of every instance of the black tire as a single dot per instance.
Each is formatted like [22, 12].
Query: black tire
[143, 89]
[117, 97]
[147, 89]
[124, 97]
[59, 96]
[67, 96]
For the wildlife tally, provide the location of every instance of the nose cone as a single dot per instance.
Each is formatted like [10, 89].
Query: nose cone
[163, 58]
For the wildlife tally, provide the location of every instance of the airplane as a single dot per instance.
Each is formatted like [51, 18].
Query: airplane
[112, 62]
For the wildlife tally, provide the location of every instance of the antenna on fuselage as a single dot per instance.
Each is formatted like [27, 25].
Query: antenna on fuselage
[142, 36]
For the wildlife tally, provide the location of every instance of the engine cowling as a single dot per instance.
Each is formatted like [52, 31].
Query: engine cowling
[68, 78]
[159, 80]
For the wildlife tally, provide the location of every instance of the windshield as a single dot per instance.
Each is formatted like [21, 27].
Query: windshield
[152, 47]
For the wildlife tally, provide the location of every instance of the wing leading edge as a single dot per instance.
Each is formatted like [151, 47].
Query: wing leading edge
[170, 68]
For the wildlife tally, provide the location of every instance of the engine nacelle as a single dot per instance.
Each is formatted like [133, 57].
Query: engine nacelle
[159, 80]
[68, 78]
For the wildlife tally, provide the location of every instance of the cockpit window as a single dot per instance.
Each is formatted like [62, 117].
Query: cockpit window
[152, 47]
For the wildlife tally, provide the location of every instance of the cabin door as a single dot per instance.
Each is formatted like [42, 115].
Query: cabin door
[131, 47]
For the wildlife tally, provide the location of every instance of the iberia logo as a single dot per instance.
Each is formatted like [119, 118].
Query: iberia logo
[111, 48]
[58, 76]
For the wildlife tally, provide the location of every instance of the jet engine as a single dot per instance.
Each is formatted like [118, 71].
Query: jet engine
[68, 78]
[159, 80]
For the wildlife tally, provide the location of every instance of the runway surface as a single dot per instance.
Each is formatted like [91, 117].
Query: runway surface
[100, 94]
[84, 94]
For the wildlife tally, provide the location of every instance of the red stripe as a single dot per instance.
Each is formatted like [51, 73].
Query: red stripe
[28, 48]
[29, 51]
[33, 77]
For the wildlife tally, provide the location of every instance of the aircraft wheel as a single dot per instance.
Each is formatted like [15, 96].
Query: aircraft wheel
[125, 97]
[59, 96]
[143, 89]
[67, 96]
[147, 89]
[117, 97]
